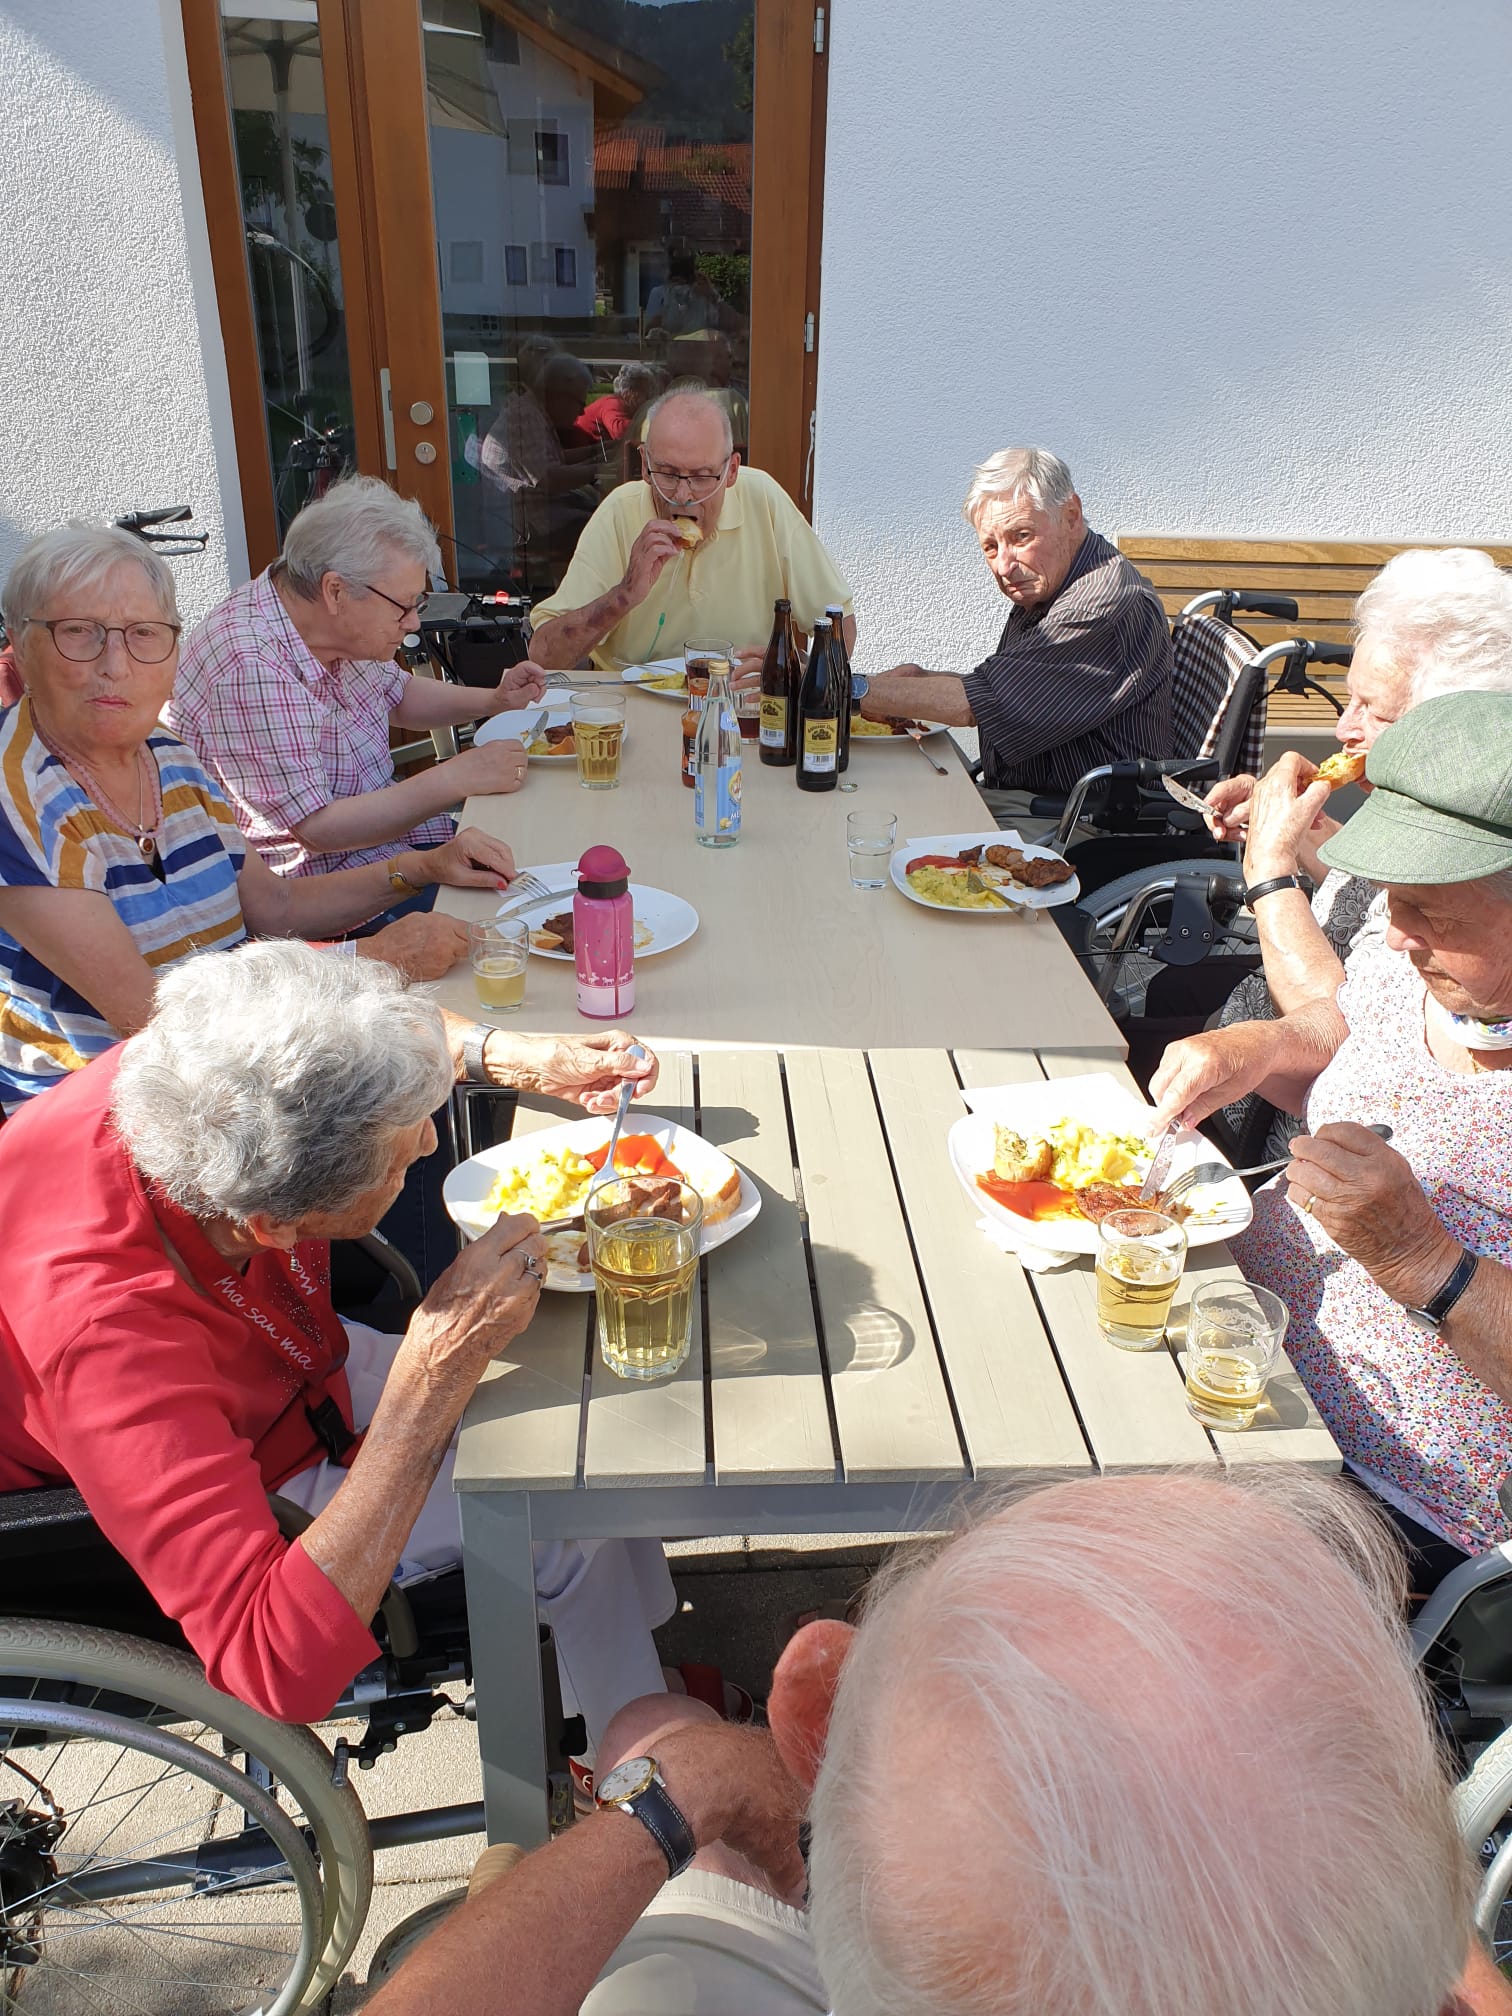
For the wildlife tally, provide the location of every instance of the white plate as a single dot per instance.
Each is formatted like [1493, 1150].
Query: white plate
[633, 675]
[952, 843]
[466, 1188]
[502, 726]
[1103, 1103]
[895, 741]
[670, 919]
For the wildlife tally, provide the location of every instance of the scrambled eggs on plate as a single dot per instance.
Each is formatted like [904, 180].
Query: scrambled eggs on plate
[1070, 1153]
[549, 1186]
[952, 887]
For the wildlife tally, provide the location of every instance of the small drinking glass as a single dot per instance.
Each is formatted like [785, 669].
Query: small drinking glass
[702, 661]
[644, 1235]
[1140, 1255]
[500, 952]
[598, 729]
[870, 838]
[1233, 1342]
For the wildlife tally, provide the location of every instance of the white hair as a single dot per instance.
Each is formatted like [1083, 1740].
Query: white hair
[1442, 616]
[357, 529]
[272, 1078]
[1136, 1746]
[1019, 472]
[688, 395]
[74, 560]
[633, 378]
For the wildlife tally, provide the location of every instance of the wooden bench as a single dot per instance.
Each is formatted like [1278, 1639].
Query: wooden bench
[1323, 576]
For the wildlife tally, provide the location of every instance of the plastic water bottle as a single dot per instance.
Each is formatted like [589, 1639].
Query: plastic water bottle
[716, 765]
[603, 935]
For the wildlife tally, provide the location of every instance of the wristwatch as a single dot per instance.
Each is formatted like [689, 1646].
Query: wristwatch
[1435, 1314]
[1256, 890]
[474, 1070]
[860, 685]
[637, 1787]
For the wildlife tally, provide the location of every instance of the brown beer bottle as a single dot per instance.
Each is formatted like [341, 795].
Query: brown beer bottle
[781, 674]
[819, 715]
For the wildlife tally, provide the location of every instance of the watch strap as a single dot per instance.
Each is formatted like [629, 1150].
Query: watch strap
[400, 883]
[1256, 890]
[662, 1818]
[474, 1070]
[1453, 1288]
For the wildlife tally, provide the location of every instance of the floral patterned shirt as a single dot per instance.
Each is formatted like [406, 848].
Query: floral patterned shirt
[1404, 1410]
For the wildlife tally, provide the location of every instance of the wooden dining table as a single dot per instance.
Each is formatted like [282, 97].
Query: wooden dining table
[786, 951]
[863, 1358]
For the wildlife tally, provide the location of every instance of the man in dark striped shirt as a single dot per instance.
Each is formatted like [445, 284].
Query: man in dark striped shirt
[1082, 671]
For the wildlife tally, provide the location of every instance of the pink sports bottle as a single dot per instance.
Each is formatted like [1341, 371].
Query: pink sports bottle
[603, 931]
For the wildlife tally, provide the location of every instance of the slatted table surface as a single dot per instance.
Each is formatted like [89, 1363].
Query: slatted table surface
[861, 1356]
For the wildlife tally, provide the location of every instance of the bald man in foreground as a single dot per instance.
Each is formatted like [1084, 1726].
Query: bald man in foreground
[1129, 1747]
[699, 550]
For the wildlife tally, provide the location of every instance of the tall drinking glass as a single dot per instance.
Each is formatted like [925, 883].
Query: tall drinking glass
[598, 729]
[1234, 1338]
[500, 951]
[643, 1244]
[1140, 1255]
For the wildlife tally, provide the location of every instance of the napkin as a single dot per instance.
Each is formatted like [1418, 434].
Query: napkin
[1035, 1259]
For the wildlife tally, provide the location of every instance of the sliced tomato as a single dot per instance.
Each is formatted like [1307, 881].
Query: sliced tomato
[934, 861]
[636, 1155]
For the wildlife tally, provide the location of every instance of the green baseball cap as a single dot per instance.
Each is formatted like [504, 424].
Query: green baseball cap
[1441, 809]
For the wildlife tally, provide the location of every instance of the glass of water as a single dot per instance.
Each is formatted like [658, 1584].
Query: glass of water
[870, 838]
[1233, 1344]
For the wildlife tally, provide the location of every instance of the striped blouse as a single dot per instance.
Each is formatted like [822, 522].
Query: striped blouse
[1084, 679]
[52, 835]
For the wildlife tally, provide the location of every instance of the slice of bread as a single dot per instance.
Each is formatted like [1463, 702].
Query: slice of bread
[725, 1201]
[1347, 767]
[688, 530]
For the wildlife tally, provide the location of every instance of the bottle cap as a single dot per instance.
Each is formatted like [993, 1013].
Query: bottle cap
[603, 871]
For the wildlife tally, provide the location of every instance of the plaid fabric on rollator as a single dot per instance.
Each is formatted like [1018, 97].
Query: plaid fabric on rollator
[1208, 659]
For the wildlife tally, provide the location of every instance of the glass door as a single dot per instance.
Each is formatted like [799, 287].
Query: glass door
[591, 169]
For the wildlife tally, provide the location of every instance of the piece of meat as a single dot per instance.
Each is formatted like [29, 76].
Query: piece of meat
[1096, 1200]
[1008, 858]
[970, 855]
[561, 927]
[1040, 874]
[645, 1197]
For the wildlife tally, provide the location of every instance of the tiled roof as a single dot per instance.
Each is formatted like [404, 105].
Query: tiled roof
[642, 155]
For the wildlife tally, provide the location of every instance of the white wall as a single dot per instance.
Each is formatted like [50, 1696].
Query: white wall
[1247, 266]
[112, 374]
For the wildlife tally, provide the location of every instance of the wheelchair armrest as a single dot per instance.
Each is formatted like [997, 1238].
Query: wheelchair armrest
[398, 1618]
[1437, 1615]
[393, 1262]
[51, 1519]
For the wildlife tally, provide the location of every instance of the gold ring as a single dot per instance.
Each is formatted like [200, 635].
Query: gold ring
[1306, 1204]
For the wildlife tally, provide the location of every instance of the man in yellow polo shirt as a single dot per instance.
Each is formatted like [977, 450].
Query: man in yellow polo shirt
[701, 548]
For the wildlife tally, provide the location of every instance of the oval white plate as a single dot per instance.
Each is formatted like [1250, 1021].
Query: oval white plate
[634, 675]
[670, 919]
[896, 741]
[952, 843]
[1100, 1101]
[503, 726]
[466, 1188]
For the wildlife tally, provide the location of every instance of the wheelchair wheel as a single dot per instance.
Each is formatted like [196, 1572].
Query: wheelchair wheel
[1483, 1812]
[164, 1849]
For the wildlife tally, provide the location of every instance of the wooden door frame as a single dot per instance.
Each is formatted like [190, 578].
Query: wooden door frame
[787, 227]
[372, 54]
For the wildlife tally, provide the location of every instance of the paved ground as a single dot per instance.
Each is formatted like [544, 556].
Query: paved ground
[735, 1606]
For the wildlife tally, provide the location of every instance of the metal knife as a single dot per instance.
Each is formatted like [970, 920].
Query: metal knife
[1160, 1168]
[536, 727]
[1185, 797]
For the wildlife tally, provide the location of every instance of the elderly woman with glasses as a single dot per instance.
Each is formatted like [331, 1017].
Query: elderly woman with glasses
[118, 854]
[702, 547]
[288, 689]
[168, 1342]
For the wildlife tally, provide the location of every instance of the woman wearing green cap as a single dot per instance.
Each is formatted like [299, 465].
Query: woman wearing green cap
[1396, 1261]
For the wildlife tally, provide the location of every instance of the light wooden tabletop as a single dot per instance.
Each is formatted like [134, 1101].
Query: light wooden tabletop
[787, 953]
[862, 1333]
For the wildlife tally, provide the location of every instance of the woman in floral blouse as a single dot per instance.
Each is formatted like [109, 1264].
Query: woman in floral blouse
[1396, 1261]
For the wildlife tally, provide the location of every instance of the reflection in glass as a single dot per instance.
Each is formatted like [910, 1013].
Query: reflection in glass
[591, 163]
[283, 159]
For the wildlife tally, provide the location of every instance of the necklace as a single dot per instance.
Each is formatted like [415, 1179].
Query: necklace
[145, 835]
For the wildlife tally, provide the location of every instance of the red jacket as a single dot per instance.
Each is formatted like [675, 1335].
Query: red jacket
[173, 1407]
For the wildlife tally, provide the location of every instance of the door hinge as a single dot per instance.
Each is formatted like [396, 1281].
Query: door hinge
[808, 334]
[818, 31]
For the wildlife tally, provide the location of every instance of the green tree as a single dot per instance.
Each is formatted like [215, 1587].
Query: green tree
[740, 53]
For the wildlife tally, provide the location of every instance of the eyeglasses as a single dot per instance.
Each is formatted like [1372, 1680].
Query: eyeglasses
[81, 642]
[697, 483]
[404, 608]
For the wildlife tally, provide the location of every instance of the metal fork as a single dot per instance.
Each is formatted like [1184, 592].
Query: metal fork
[527, 890]
[1220, 1172]
[916, 736]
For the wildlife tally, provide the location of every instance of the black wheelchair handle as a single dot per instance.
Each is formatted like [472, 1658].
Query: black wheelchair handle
[1281, 608]
[1329, 654]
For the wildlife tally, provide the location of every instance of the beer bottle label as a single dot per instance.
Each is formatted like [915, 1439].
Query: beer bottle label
[774, 708]
[819, 744]
[726, 806]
